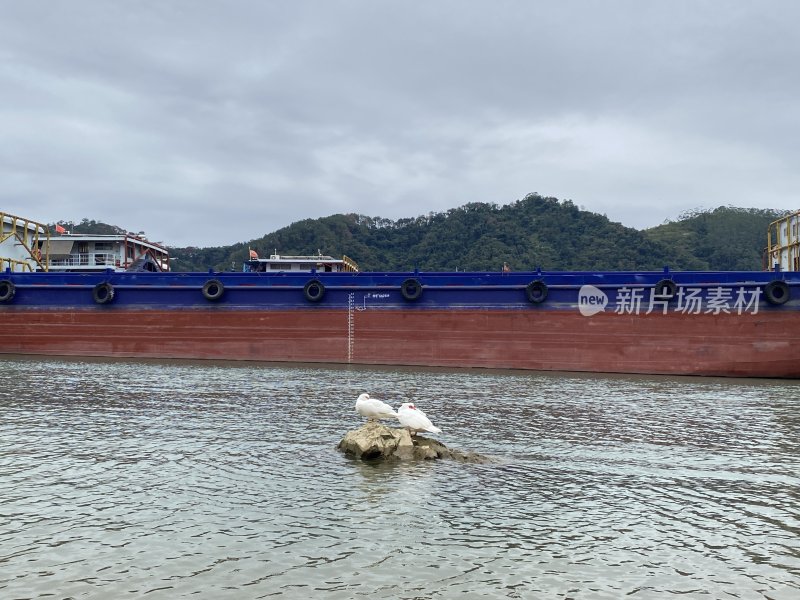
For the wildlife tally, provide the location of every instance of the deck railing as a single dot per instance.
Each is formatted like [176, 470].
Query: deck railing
[86, 259]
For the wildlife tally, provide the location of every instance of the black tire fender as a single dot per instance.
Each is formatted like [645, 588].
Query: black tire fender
[536, 291]
[777, 292]
[7, 290]
[103, 293]
[213, 290]
[313, 290]
[665, 289]
[411, 289]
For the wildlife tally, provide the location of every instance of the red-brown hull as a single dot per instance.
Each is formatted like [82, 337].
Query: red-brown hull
[762, 345]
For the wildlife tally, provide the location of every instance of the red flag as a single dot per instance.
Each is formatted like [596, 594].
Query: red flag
[253, 254]
[60, 229]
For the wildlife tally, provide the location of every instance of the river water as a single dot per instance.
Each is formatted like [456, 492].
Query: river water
[131, 479]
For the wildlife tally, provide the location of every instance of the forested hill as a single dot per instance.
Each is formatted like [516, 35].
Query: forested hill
[529, 233]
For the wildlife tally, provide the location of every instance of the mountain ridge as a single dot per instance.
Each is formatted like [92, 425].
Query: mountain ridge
[534, 232]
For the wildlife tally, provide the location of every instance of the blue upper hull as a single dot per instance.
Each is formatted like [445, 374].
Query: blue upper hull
[622, 292]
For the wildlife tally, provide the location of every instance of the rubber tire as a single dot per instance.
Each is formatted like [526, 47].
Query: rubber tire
[314, 290]
[777, 292]
[213, 290]
[411, 289]
[536, 291]
[103, 293]
[670, 285]
[7, 290]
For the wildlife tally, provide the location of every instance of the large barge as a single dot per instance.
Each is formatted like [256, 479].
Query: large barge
[736, 324]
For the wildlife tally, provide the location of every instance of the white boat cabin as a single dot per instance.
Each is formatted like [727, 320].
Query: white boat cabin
[77, 252]
[298, 264]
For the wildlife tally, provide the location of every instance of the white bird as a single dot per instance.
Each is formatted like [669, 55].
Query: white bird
[374, 409]
[414, 419]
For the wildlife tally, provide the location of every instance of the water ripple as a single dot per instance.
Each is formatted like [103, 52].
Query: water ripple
[171, 479]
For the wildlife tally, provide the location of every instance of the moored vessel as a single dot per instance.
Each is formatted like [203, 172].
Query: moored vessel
[739, 324]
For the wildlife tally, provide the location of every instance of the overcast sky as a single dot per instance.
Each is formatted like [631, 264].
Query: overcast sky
[211, 122]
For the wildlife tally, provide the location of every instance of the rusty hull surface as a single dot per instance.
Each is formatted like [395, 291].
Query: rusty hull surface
[762, 345]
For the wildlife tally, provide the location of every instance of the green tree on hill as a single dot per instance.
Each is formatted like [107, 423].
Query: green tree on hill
[532, 232]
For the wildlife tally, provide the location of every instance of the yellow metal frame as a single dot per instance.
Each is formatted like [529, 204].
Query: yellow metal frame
[792, 245]
[349, 264]
[28, 235]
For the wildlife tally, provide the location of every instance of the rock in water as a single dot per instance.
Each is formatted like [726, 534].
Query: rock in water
[375, 441]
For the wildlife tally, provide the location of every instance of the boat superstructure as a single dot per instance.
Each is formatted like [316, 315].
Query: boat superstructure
[82, 253]
[298, 263]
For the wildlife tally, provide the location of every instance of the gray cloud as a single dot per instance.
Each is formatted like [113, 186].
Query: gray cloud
[212, 123]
